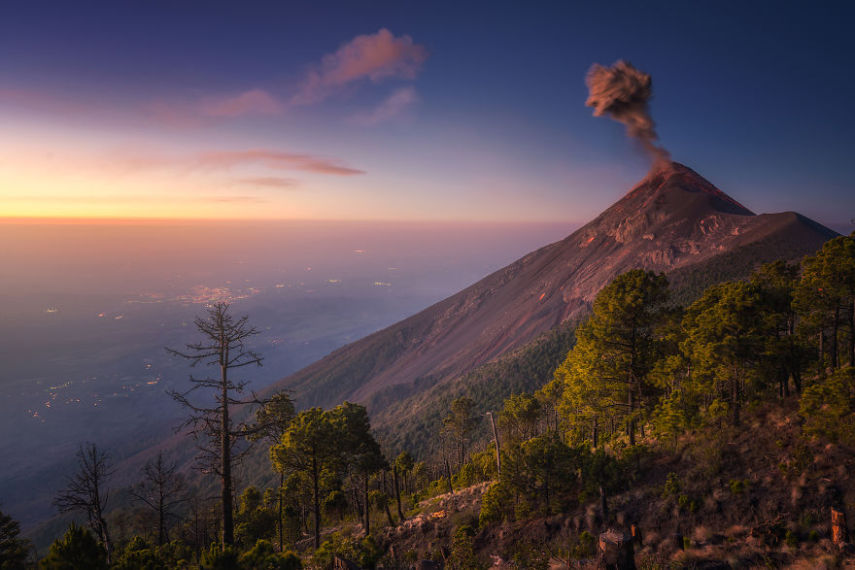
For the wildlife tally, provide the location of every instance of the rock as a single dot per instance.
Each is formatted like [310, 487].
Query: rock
[616, 552]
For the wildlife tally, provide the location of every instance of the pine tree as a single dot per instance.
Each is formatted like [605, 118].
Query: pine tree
[605, 376]
[13, 550]
[271, 422]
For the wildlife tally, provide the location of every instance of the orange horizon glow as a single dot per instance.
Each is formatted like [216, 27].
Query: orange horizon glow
[127, 220]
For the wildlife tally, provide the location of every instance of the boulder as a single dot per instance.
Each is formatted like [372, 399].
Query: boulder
[616, 551]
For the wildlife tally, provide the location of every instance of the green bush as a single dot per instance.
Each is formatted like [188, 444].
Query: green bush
[76, 549]
[217, 558]
[828, 407]
[585, 547]
[463, 550]
[496, 504]
[13, 550]
[364, 552]
[672, 486]
[737, 486]
[262, 556]
[138, 555]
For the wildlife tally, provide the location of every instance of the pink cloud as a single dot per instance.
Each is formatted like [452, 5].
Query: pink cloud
[130, 160]
[374, 57]
[271, 182]
[252, 102]
[234, 199]
[276, 160]
[393, 106]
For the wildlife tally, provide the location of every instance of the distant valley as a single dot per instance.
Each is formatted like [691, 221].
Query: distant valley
[84, 356]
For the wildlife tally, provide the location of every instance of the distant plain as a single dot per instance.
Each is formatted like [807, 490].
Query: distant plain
[87, 309]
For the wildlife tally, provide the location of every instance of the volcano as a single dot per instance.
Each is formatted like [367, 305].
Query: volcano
[674, 221]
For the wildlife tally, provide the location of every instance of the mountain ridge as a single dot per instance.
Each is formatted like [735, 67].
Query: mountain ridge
[672, 219]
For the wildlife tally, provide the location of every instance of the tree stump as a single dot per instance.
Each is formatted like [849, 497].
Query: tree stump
[839, 534]
[616, 552]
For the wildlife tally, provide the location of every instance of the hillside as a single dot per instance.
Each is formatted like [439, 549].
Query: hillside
[744, 498]
[673, 221]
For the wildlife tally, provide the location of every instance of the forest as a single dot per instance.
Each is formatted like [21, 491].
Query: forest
[666, 425]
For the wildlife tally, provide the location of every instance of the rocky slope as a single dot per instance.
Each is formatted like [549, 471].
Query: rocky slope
[672, 221]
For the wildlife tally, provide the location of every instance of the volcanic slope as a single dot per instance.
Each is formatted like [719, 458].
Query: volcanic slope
[673, 221]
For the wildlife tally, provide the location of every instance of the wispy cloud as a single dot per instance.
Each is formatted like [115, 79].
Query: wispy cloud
[270, 182]
[393, 106]
[237, 199]
[252, 102]
[275, 160]
[374, 57]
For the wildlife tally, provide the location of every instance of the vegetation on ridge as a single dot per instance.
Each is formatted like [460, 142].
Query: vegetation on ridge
[737, 410]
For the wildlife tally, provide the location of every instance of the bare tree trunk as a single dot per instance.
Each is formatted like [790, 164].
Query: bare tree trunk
[546, 493]
[834, 332]
[397, 492]
[496, 441]
[279, 495]
[317, 502]
[161, 535]
[228, 520]
[389, 514]
[851, 332]
[734, 400]
[367, 522]
[604, 505]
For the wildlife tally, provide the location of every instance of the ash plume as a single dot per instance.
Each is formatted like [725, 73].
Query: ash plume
[622, 92]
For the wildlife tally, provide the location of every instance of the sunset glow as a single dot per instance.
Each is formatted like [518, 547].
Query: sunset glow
[380, 116]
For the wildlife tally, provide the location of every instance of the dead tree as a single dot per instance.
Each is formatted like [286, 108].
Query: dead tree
[223, 346]
[162, 489]
[87, 491]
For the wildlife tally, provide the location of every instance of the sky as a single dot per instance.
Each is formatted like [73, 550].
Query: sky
[460, 111]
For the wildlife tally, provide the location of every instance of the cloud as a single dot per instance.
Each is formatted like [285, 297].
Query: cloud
[127, 161]
[275, 160]
[252, 102]
[374, 57]
[270, 182]
[237, 199]
[393, 106]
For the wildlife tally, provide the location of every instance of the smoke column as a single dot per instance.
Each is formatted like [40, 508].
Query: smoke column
[622, 92]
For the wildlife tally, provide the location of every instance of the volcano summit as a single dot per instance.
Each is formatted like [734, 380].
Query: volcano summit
[674, 221]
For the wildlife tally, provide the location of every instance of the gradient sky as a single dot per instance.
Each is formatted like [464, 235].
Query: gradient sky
[405, 110]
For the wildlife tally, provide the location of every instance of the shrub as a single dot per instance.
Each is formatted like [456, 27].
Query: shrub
[672, 486]
[216, 558]
[586, 545]
[496, 504]
[463, 550]
[828, 407]
[364, 552]
[263, 557]
[737, 486]
[76, 549]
